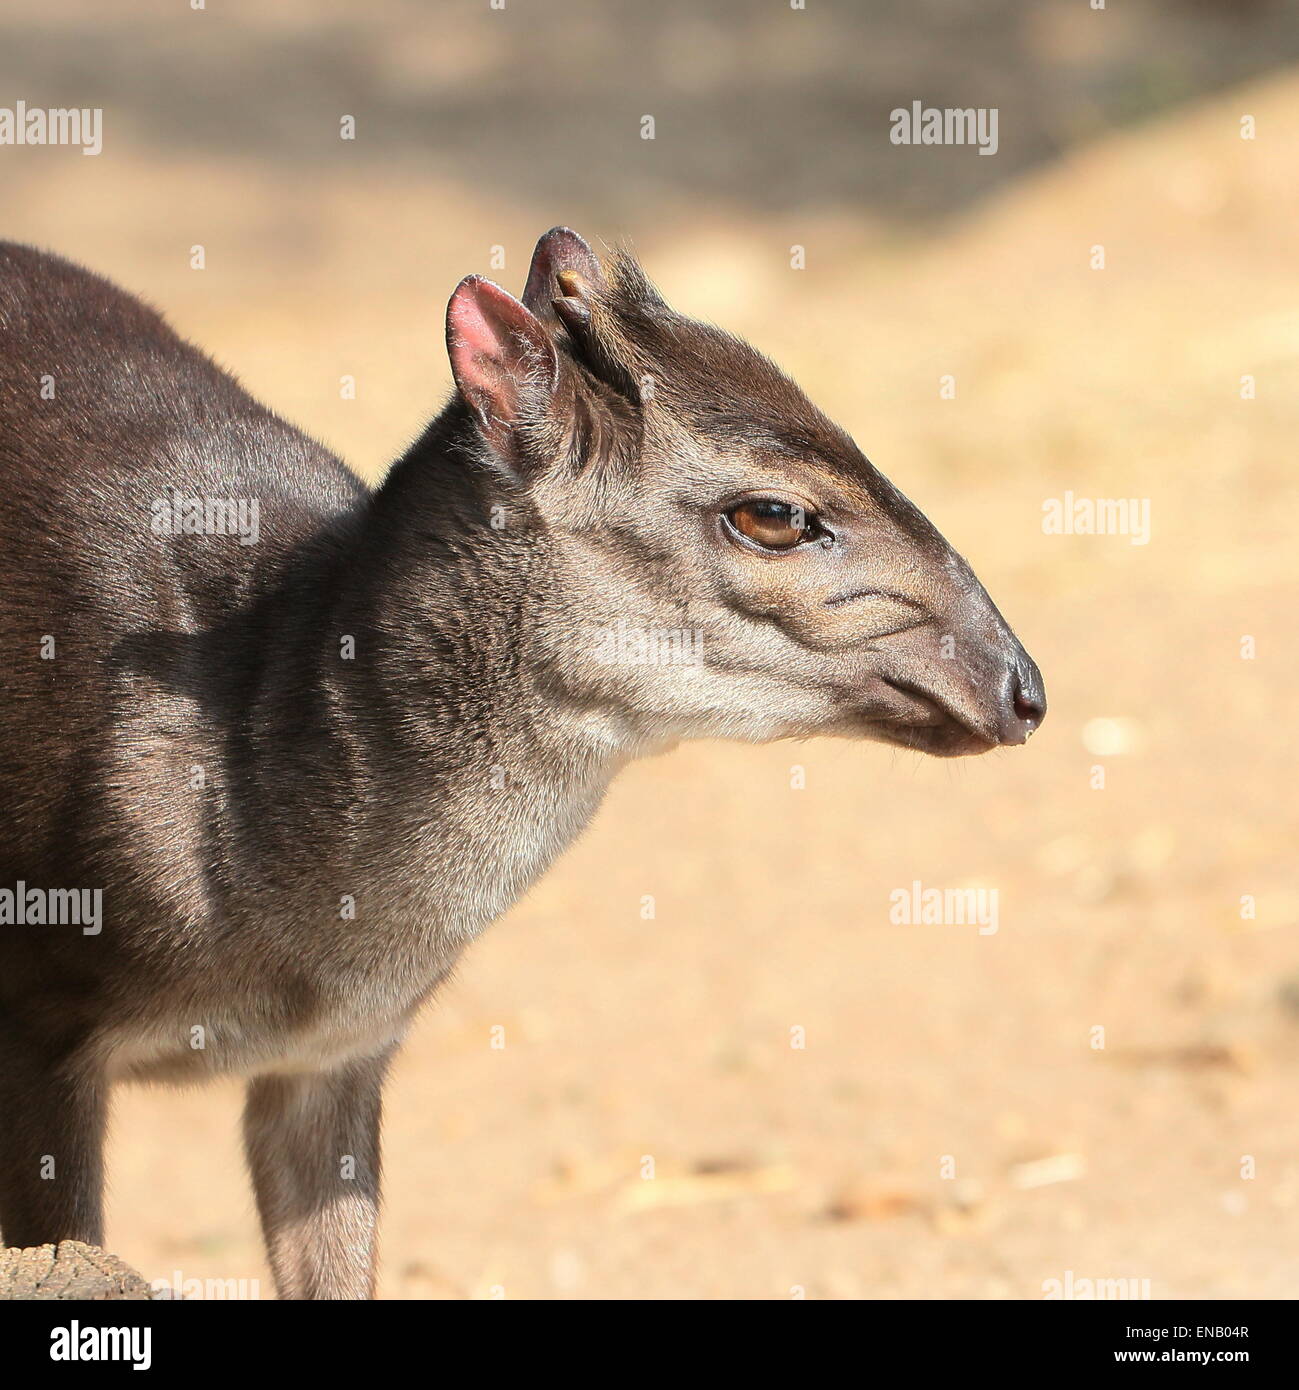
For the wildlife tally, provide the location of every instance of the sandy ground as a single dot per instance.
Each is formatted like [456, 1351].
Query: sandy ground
[955, 1125]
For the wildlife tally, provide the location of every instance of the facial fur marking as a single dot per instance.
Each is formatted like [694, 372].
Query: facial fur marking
[837, 600]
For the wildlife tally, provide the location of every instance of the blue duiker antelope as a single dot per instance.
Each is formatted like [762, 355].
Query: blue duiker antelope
[306, 762]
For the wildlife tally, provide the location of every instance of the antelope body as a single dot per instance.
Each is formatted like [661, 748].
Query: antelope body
[305, 771]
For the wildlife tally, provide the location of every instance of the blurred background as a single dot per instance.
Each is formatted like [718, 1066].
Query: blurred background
[955, 1125]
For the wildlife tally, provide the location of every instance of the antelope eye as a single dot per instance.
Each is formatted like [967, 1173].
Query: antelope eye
[773, 525]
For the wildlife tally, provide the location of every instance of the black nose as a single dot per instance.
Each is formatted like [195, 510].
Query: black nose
[1024, 700]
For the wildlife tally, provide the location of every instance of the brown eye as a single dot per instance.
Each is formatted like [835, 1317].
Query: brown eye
[773, 525]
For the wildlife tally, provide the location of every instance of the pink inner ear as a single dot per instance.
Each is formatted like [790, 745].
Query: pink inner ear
[473, 333]
[494, 344]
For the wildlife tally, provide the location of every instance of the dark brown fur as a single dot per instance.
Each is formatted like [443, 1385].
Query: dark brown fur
[202, 747]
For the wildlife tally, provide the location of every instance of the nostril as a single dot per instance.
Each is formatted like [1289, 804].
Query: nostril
[1022, 702]
[1029, 700]
[1027, 709]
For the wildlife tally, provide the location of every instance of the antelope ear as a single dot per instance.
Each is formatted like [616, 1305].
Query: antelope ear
[560, 256]
[502, 358]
